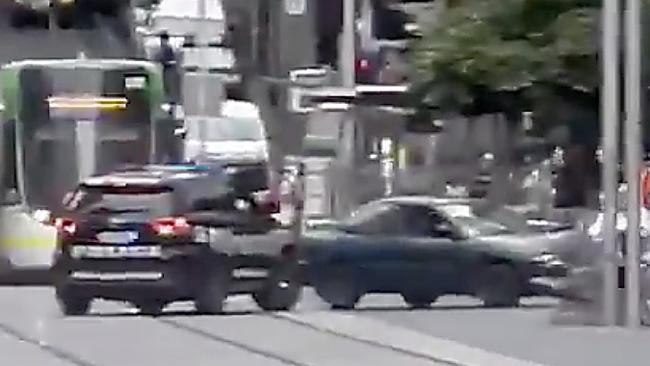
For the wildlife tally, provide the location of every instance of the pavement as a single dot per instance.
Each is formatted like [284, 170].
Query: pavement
[383, 331]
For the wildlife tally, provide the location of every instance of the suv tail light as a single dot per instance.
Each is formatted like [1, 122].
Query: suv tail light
[363, 65]
[171, 226]
[65, 226]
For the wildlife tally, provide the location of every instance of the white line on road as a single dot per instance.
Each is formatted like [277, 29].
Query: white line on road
[402, 339]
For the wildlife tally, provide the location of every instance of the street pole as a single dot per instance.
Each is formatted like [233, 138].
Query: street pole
[203, 76]
[342, 190]
[633, 159]
[610, 125]
[348, 58]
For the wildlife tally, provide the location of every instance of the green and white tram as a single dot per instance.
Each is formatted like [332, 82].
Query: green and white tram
[65, 120]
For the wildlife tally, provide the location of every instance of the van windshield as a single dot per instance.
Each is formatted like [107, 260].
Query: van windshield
[225, 129]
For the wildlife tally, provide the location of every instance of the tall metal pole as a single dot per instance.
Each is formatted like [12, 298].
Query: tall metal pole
[633, 158]
[202, 75]
[348, 58]
[610, 125]
[341, 182]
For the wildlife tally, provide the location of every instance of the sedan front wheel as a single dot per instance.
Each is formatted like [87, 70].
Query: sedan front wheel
[419, 300]
[498, 286]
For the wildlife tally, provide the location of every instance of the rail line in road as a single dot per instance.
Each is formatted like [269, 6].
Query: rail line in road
[373, 343]
[113, 335]
[231, 342]
[311, 335]
[56, 352]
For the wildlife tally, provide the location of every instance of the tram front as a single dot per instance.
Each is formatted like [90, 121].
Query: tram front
[80, 122]
[70, 120]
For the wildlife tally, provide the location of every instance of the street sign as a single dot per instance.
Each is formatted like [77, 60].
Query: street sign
[295, 7]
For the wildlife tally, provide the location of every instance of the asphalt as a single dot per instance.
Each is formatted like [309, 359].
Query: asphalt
[383, 331]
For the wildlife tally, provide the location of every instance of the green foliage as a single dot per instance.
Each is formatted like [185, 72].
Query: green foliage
[484, 50]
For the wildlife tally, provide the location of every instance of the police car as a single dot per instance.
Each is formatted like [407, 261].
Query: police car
[158, 234]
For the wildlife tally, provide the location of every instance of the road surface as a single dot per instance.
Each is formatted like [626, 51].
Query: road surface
[382, 332]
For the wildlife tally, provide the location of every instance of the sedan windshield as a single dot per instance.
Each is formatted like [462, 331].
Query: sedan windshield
[484, 221]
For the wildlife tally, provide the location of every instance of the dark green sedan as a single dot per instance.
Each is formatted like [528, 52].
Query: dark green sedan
[423, 247]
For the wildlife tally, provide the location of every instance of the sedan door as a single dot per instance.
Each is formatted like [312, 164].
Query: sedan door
[372, 249]
[432, 249]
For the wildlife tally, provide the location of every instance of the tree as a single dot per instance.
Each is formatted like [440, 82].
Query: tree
[507, 56]
[487, 56]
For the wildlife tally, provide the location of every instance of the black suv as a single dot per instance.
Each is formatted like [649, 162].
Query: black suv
[159, 234]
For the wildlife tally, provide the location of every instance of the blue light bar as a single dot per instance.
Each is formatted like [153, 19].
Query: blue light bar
[180, 167]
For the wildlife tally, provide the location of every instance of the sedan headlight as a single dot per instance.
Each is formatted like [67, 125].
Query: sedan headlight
[548, 259]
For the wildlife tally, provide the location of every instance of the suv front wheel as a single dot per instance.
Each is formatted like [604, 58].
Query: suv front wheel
[73, 305]
[281, 292]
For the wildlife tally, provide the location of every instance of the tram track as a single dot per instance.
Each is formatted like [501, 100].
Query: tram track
[55, 352]
[231, 342]
[375, 344]
[285, 360]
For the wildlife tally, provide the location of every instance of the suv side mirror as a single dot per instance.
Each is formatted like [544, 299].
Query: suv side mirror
[11, 198]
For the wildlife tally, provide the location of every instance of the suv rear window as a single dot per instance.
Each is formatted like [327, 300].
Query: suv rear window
[150, 201]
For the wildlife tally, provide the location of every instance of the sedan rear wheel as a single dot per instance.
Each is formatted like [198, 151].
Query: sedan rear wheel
[338, 288]
[499, 286]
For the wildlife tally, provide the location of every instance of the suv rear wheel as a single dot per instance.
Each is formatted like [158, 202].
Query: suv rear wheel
[213, 292]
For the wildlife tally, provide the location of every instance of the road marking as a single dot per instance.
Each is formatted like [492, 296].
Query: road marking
[402, 339]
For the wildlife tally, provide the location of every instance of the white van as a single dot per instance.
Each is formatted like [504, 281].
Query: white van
[238, 134]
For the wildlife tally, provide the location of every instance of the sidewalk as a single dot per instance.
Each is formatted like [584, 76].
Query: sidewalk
[527, 334]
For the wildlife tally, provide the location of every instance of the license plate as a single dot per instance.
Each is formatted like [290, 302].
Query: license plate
[118, 237]
[102, 252]
[124, 276]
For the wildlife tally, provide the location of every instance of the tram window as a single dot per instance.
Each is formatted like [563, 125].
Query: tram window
[9, 157]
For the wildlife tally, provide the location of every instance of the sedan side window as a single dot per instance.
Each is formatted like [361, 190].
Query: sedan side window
[423, 221]
[377, 219]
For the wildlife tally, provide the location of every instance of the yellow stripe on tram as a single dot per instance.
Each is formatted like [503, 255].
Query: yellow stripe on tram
[28, 242]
